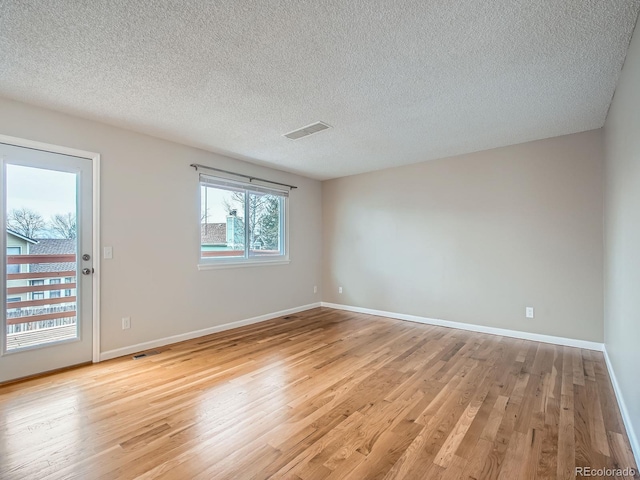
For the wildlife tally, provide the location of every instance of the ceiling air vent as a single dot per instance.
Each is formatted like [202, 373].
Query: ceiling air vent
[306, 131]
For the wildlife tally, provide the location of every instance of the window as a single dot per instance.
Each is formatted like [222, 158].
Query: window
[55, 293]
[67, 292]
[13, 299]
[36, 295]
[13, 251]
[241, 223]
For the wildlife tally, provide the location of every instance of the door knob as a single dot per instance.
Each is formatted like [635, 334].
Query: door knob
[87, 271]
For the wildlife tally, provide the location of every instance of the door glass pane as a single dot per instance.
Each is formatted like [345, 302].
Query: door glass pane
[41, 236]
[221, 222]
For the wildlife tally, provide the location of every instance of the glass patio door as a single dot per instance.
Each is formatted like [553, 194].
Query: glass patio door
[46, 267]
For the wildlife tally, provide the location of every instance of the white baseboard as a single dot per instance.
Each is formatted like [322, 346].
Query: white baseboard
[120, 352]
[626, 418]
[537, 337]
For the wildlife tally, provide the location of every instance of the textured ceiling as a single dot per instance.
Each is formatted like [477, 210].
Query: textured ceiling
[400, 82]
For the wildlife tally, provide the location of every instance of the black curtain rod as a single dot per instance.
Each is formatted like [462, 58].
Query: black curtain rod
[197, 166]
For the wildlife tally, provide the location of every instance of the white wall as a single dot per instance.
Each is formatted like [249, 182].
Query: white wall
[150, 215]
[622, 241]
[476, 238]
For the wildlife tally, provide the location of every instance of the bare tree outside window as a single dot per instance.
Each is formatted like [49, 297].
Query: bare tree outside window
[26, 222]
[63, 225]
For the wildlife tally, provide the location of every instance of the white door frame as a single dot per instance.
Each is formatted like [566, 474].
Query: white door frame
[95, 158]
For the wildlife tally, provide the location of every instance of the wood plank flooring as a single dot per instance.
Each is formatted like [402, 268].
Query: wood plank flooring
[322, 394]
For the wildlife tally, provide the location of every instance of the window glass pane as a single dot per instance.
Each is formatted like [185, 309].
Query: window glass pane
[13, 268]
[55, 293]
[36, 295]
[222, 229]
[265, 216]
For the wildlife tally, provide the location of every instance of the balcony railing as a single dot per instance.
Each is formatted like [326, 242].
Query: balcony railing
[54, 318]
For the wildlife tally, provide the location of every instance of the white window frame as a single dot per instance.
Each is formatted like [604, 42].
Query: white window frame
[210, 263]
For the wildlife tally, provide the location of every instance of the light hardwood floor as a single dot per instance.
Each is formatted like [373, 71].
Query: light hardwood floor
[322, 394]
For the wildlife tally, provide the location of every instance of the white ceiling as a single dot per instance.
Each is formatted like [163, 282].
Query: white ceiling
[400, 82]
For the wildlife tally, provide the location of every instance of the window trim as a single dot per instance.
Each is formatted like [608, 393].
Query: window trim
[247, 260]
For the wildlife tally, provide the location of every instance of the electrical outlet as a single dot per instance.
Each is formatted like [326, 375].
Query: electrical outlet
[315, 289]
[339, 289]
[126, 323]
[528, 311]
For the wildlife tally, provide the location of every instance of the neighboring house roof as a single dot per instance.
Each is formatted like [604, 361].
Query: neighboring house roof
[53, 246]
[20, 236]
[213, 233]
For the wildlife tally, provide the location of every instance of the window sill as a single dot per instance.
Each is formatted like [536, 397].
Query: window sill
[242, 264]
